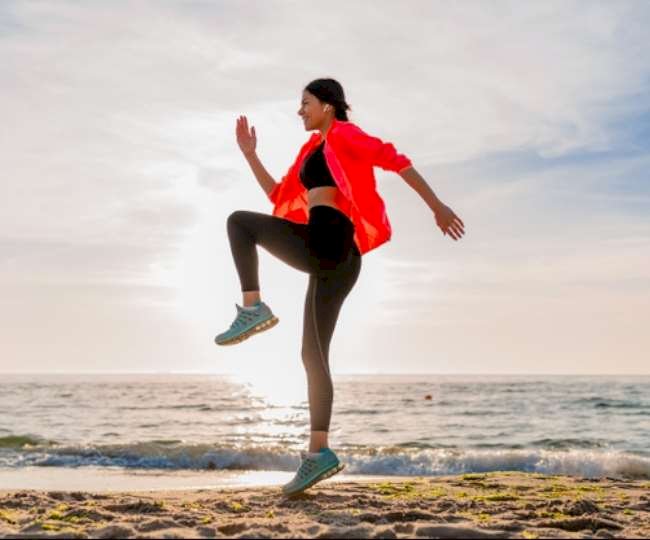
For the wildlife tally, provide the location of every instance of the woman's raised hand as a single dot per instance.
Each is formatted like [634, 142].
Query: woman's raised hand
[245, 139]
[449, 222]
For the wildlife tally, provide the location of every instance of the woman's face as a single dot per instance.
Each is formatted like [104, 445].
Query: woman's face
[311, 111]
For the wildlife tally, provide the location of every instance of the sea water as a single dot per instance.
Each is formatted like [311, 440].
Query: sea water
[406, 425]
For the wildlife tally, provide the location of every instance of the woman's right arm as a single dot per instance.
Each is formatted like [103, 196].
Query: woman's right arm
[263, 177]
[247, 141]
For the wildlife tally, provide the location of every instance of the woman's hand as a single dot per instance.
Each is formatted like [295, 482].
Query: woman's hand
[245, 139]
[449, 222]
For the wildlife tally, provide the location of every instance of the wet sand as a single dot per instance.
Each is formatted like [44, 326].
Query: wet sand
[490, 505]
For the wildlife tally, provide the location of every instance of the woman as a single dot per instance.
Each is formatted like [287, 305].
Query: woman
[326, 215]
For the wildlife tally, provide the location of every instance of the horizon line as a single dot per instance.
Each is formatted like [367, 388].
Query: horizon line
[333, 374]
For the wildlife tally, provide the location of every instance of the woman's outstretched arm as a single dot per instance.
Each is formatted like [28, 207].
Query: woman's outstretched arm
[446, 219]
[263, 177]
[385, 155]
[419, 184]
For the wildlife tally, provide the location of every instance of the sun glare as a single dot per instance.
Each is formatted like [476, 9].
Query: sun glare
[281, 388]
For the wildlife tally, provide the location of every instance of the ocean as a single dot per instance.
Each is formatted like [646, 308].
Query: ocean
[71, 426]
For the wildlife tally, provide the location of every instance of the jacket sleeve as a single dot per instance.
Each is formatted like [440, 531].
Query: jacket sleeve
[379, 153]
[275, 192]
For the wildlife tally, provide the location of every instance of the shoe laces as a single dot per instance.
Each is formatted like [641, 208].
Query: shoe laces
[244, 317]
[308, 464]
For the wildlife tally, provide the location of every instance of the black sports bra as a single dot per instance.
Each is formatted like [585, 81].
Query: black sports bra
[314, 171]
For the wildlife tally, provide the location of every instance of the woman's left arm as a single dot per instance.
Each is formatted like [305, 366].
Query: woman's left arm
[445, 217]
[385, 155]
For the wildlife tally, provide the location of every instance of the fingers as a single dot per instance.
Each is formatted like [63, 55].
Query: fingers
[457, 232]
[453, 230]
[454, 218]
[454, 227]
[242, 126]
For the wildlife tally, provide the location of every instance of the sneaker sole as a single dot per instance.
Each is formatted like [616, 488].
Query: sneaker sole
[261, 327]
[323, 476]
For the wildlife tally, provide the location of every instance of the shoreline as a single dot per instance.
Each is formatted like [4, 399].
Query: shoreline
[503, 504]
[114, 480]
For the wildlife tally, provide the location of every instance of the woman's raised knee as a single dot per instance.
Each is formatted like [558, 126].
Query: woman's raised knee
[238, 216]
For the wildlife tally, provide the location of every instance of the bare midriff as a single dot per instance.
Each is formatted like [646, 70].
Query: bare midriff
[327, 196]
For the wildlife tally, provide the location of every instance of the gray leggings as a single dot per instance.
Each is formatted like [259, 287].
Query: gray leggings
[324, 248]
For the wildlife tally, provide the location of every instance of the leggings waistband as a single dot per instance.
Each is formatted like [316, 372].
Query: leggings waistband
[329, 215]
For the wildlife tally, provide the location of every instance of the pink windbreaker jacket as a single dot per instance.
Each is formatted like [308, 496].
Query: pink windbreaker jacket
[350, 154]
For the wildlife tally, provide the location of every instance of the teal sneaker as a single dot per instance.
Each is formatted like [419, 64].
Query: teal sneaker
[314, 468]
[247, 323]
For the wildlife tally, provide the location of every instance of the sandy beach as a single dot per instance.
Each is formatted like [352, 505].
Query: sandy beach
[499, 504]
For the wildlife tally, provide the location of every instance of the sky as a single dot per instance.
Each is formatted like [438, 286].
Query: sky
[120, 167]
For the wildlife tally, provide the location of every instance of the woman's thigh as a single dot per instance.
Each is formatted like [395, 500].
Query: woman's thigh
[282, 238]
[325, 296]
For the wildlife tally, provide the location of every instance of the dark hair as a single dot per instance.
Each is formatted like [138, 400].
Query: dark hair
[330, 91]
